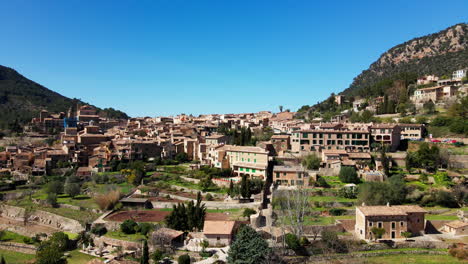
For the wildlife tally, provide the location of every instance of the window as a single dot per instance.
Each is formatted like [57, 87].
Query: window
[370, 224]
[277, 175]
[393, 225]
[218, 238]
[402, 223]
[255, 160]
[379, 224]
[253, 170]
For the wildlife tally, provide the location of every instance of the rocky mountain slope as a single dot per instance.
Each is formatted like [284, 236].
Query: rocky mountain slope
[439, 53]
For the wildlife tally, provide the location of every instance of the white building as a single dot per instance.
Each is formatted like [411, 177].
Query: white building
[459, 74]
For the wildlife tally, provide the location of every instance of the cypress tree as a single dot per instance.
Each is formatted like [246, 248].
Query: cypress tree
[145, 256]
[245, 187]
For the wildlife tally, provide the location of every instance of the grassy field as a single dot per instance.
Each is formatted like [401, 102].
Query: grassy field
[325, 220]
[16, 257]
[77, 257]
[80, 200]
[122, 236]
[71, 235]
[441, 217]
[408, 259]
[9, 236]
[81, 216]
[330, 199]
[334, 181]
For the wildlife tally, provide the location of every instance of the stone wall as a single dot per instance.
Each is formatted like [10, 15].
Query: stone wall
[107, 241]
[18, 247]
[372, 254]
[56, 221]
[42, 217]
[12, 212]
[458, 161]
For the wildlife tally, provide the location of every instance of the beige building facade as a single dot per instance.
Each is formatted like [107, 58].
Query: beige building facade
[395, 219]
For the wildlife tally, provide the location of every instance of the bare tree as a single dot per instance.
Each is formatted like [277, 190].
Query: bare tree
[293, 205]
[28, 212]
[316, 231]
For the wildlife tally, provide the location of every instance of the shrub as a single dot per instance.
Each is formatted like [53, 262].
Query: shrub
[184, 259]
[157, 255]
[72, 189]
[209, 197]
[348, 175]
[128, 227]
[107, 201]
[145, 228]
[52, 199]
[348, 192]
[332, 242]
[304, 241]
[337, 211]
[292, 241]
[311, 162]
[458, 252]
[54, 187]
[99, 229]
[441, 121]
[27, 240]
[248, 212]
[321, 182]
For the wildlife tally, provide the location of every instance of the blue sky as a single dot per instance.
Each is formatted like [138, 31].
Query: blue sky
[162, 57]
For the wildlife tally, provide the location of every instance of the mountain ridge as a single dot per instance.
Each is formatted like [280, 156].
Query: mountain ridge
[21, 99]
[438, 53]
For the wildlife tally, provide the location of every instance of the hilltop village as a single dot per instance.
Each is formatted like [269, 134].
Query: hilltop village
[191, 189]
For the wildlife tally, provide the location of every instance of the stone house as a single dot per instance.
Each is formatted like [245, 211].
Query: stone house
[457, 228]
[386, 134]
[395, 219]
[219, 232]
[291, 176]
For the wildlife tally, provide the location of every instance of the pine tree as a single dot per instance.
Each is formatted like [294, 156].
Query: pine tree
[248, 248]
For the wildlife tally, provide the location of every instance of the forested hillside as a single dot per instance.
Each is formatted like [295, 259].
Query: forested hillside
[21, 99]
